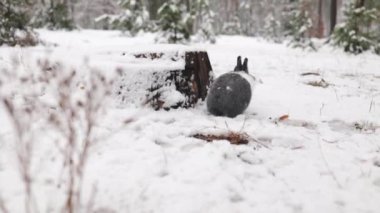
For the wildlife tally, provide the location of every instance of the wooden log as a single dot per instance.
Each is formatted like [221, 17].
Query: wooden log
[198, 65]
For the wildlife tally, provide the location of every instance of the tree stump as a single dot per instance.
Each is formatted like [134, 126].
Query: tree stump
[169, 88]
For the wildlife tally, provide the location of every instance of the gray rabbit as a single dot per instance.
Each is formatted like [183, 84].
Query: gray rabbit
[231, 93]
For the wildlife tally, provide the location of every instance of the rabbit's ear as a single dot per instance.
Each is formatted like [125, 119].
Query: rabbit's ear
[239, 66]
[245, 65]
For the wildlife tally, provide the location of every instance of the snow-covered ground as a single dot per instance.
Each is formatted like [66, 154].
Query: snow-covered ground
[324, 158]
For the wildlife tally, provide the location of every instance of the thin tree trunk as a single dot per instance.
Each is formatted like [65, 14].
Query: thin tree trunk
[333, 15]
[320, 27]
[188, 5]
[360, 3]
[154, 5]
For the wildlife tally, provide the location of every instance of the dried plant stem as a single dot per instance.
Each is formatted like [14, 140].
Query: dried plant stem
[3, 208]
[24, 149]
[71, 116]
[327, 165]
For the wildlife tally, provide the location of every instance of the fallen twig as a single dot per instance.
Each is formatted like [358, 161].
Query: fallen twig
[232, 137]
[327, 165]
[235, 138]
[310, 73]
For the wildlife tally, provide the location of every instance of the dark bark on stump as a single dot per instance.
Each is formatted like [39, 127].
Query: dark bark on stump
[198, 64]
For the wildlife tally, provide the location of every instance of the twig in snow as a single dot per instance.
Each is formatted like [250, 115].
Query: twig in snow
[336, 95]
[232, 137]
[328, 141]
[310, 73]
[245, 119]
[320, 110]
[236, 138]
[259, 142]
[24, 147]
[225, 122]
[370, 105]
[327, 165]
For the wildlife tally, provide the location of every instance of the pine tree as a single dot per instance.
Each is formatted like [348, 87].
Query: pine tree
[298, 25]
[232, 27]
[53, 16]
[357, 34]
[14, 24]
[133, 18]
[58, 17]
[376, 27]
[272, 29]
[204, 21]
[245, 14]
[175, 22]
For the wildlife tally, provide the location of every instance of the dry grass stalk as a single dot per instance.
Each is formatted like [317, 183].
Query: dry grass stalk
[367, 127]
[3, 208]
[75, 119]
[76, 111]
[24, 147]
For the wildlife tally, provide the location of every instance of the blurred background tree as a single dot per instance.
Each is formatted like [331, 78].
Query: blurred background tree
[175, 21]
[204, 20]
[298, 24]
[352, 25]
[358, 33]
[54, 16]
[14, 24]
[133, 17]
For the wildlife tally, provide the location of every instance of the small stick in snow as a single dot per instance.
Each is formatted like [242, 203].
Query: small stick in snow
[320, 110]
[327, 164]
[336, 95]
[310, 73]
[370, 105]
[328, 141]
[225, 122]
[245, 119]
[259, 142]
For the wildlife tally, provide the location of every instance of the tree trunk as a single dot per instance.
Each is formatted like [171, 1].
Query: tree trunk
[188, 5]
[360, 3]
[333, 15]
[320, 27]
[154, 5]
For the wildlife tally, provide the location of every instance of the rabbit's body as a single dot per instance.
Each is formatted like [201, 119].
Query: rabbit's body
[231, 93]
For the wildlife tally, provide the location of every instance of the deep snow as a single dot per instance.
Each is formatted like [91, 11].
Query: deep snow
[317, 160]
